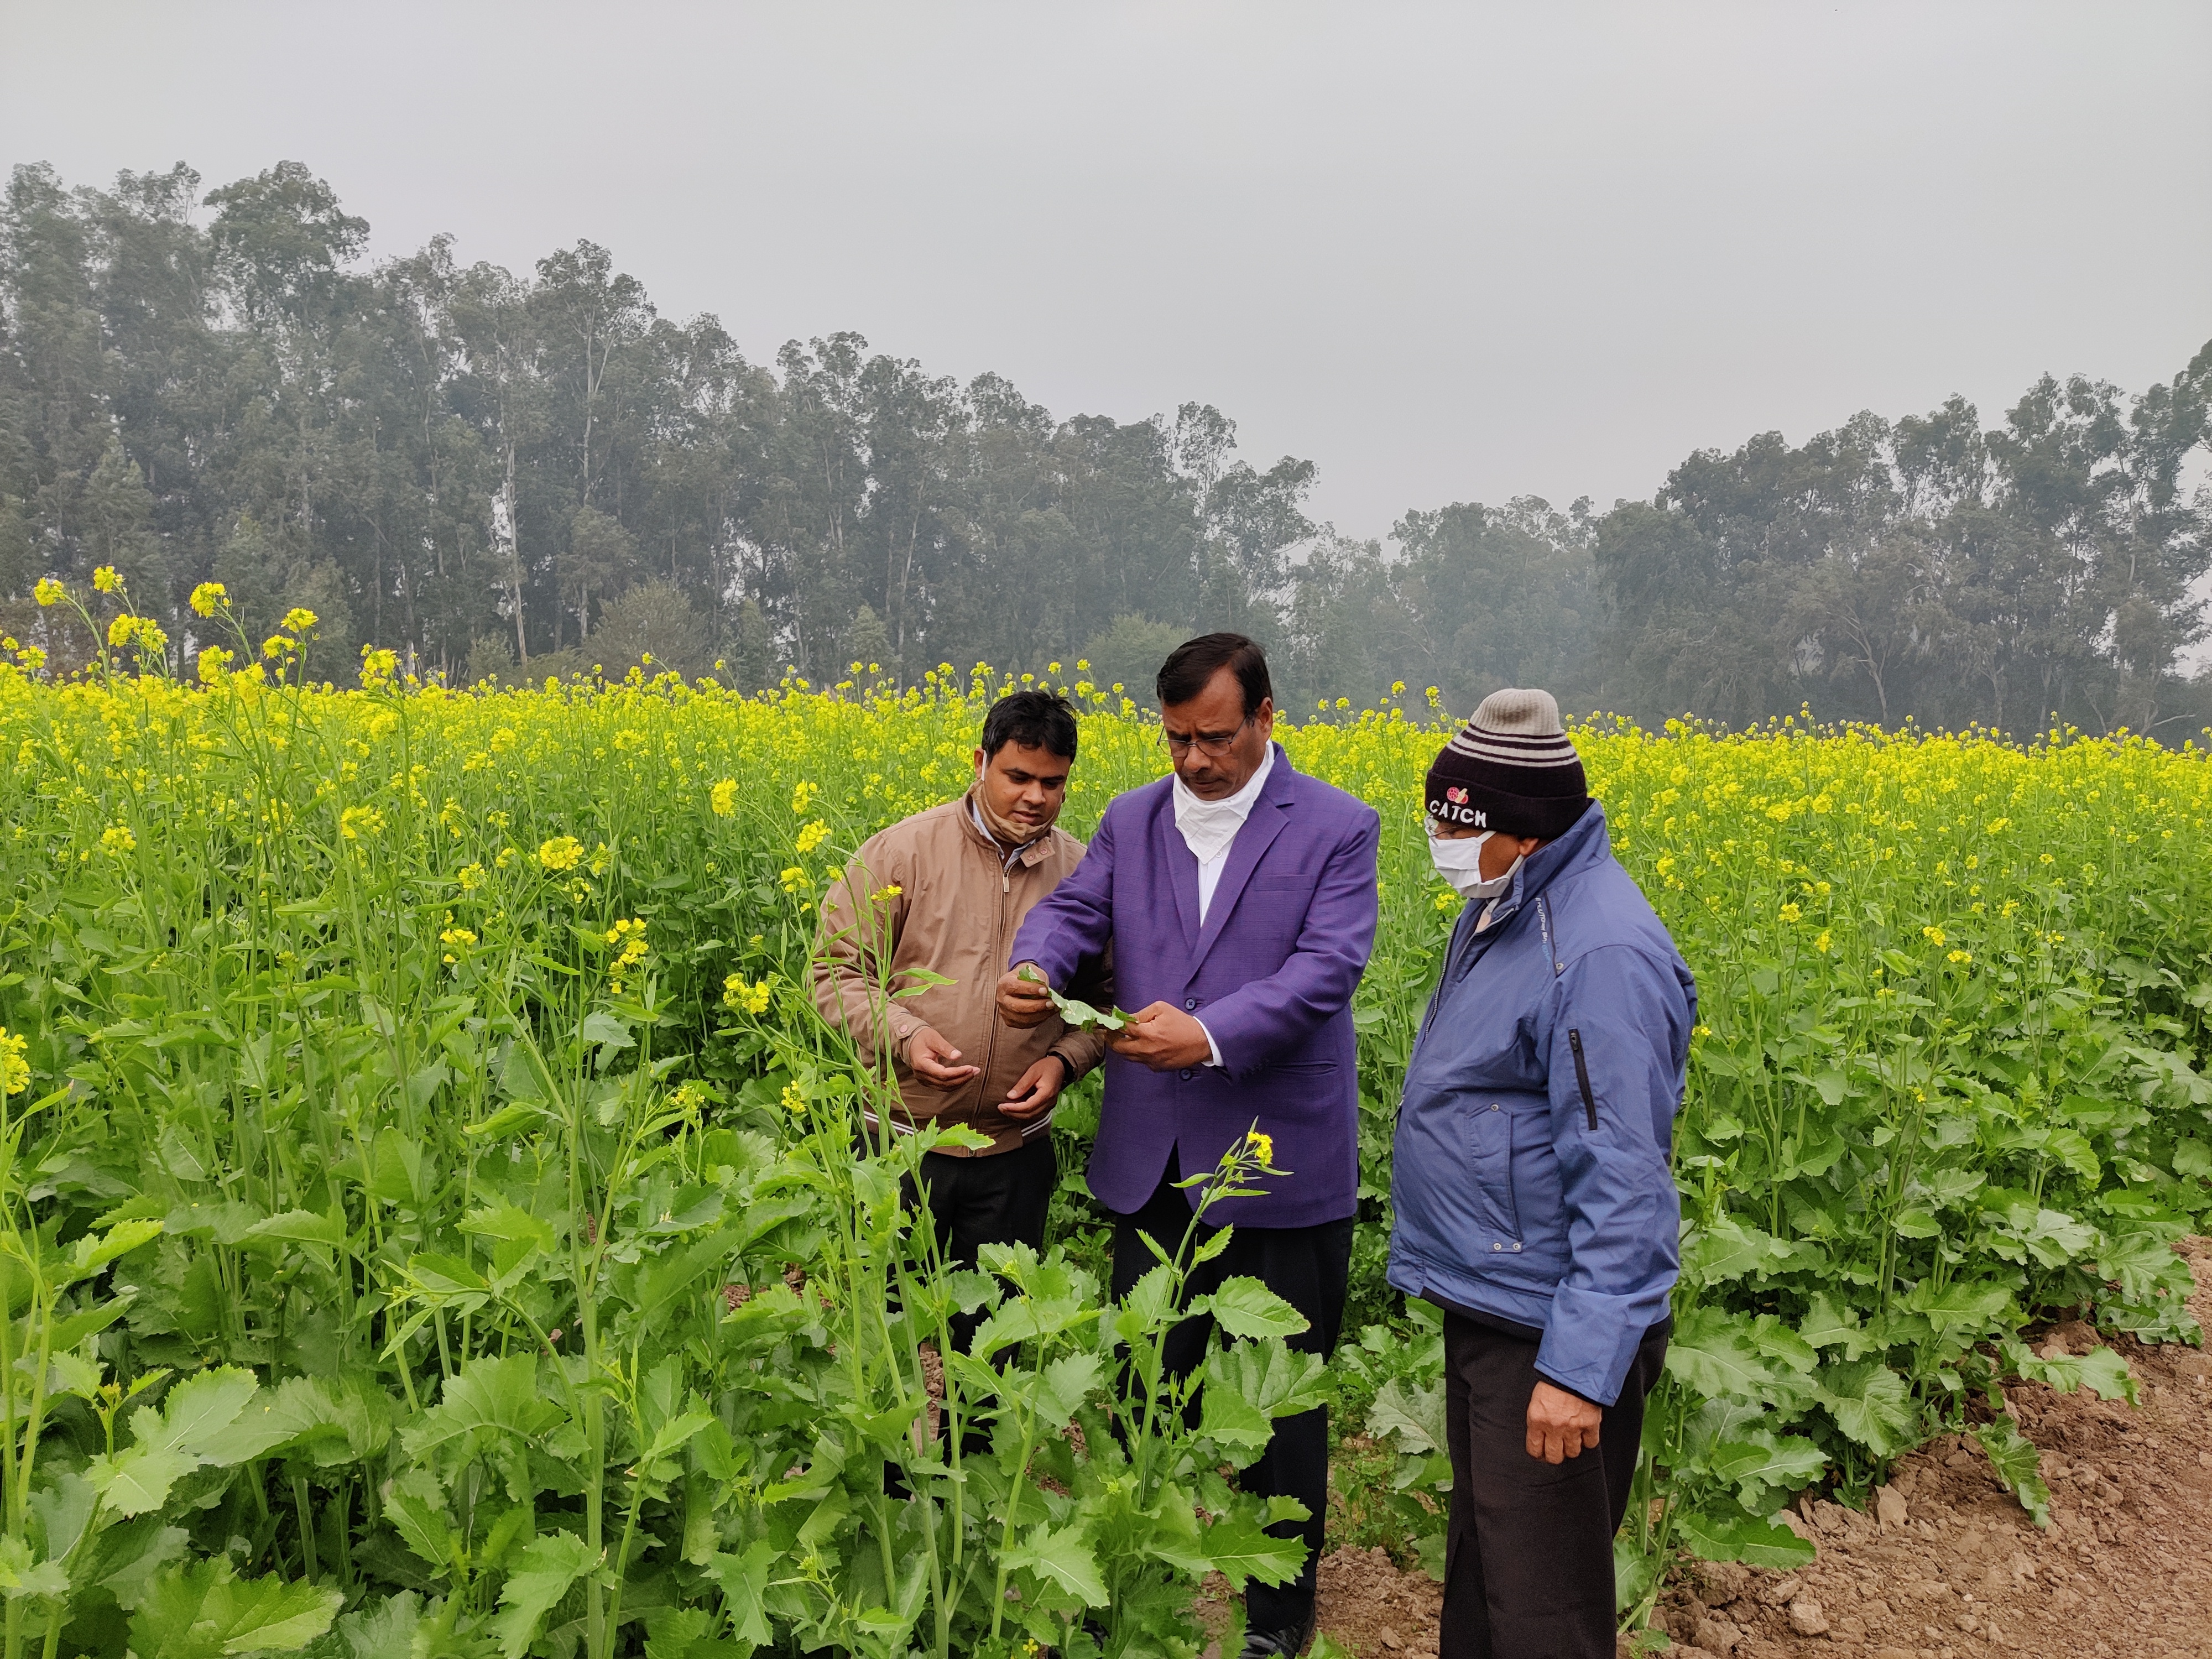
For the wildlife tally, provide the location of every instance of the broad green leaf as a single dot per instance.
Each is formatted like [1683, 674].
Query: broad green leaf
[1777, 1341]
[1870, 1403]
[501, 1395]
[744, 1581]
[64, 1510]
[1230, 1420]
[542, 1576]
[1246, 1307]
[383, 1630]
[300, 1227]
[1722, 1532]
[2072, 1150]
[525, 1078]
[1239, 1549]
[671, 1437]
[417, 1510]
[1065, 1383]
[1724, 1250]
[1065, 1558]
[132, 1555]
[1279, 1379]
[2015, 1460]
[298, 1409]
[203, 1612]
[604, 1028]
[1966, 1306]
[1413, 1417]
[509, 1222]
[92, 1254]
[510, 1118]
[671, 1632]
[2104, 1371]
[1829, 1324]
[1761, 1458]
[20, 1577]
[1715, 1354]
[194, 1416]
[72, 1329]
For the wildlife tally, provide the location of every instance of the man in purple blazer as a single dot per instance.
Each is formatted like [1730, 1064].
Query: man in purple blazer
[1239, 898]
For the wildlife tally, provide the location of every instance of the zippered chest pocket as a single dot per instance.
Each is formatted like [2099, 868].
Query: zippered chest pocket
[1490, 1128]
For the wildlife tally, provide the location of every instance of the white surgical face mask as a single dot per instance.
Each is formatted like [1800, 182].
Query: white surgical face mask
[1458, 860]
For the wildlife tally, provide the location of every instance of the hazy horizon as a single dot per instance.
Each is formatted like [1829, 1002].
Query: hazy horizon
[1446, 255]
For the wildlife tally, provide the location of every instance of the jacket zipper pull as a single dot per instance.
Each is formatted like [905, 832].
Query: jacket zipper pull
[1582, 1075]
[1005, 882]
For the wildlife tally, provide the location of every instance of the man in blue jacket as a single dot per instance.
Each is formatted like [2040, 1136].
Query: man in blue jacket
[1532, 1194]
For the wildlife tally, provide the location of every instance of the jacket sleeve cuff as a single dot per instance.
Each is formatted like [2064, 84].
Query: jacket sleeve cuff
[1590, 1341]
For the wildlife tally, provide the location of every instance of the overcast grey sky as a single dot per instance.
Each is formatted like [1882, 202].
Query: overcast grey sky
[1447, 252]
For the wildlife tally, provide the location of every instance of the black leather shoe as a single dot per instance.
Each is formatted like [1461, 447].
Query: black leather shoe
[1278, 1644]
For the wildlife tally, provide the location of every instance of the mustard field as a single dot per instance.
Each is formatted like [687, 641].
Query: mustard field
[429, 1218]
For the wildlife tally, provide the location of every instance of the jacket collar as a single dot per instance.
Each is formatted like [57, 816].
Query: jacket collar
[1586, 843]
[1025, 856]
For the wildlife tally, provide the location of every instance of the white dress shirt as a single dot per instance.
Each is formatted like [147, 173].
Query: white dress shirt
[1209, 829]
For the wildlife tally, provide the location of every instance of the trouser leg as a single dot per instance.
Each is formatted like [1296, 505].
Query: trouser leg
[1309, 1267]
[974, 1202]
[1529, 1551]
[1001, 1199]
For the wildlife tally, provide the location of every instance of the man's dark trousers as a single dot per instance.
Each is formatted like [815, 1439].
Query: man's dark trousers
[999, 1200]
[1529, 1555]
[1308, 1267]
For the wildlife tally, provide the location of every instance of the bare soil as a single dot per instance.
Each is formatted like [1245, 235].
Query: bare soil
[1945, 1564]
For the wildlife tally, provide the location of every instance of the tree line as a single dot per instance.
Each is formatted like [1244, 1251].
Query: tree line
[518, 475]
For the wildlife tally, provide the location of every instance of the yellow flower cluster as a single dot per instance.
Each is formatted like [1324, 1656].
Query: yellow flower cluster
[560, 852]
[14, 1069]
[627, 940]
[740, 997]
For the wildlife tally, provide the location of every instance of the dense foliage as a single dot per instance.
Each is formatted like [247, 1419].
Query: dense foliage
[481, 469]
[426, 1203]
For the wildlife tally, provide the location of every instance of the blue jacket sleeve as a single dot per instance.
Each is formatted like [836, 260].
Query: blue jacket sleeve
[1257, 1024]
[1614, 1033]
[1072, 925]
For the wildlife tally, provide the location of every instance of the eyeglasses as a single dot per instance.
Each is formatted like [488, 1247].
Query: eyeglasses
[1212, 745]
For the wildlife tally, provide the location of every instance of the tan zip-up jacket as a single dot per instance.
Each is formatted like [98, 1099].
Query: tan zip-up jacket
[939, 894]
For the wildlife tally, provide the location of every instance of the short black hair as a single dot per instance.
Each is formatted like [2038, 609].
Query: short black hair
[1034, 719]
[1191, 665]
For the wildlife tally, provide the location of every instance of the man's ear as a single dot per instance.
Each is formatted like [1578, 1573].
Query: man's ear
[976, 760]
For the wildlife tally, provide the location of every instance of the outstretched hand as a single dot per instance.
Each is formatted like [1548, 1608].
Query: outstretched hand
[936, 1061]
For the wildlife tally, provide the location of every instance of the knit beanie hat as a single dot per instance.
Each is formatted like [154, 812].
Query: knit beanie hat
[1511, 769]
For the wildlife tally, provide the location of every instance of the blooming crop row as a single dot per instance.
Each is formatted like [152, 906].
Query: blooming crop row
[428, 1072]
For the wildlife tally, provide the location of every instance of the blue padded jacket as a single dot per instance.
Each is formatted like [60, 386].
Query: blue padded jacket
[1530, 1179]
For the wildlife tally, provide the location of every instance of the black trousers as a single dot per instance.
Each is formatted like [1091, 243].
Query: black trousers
[1529, 1554]
[975, 1202]
[1308, 1267]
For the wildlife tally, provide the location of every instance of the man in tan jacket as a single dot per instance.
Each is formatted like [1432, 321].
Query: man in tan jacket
[942, 893]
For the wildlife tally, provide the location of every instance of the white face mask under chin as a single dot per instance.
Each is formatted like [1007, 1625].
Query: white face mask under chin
[1459, 861]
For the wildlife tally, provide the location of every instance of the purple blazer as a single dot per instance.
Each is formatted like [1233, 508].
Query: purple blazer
[1272, 975]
